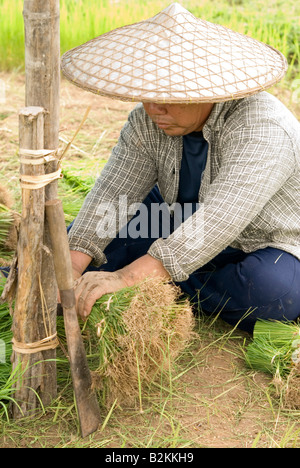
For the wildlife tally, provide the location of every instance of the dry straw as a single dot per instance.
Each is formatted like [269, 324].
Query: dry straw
[140, 333]
[174, 57]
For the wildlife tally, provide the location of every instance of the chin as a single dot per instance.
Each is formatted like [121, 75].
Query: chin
[173, 132]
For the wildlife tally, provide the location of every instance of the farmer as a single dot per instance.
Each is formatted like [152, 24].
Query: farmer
[203, 186]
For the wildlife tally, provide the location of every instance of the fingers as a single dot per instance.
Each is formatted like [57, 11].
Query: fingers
[87, 291]
[87, 299]
[93, 285]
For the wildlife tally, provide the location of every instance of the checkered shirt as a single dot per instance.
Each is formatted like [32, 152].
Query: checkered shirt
[250, 190]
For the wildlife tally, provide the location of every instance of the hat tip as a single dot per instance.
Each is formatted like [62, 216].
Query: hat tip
[174, 8]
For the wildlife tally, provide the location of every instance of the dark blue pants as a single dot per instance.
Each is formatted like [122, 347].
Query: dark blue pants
[240, 287]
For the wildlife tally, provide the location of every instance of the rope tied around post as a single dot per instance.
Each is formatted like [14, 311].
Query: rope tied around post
[50, 342]
[38, 157]
[35, 158]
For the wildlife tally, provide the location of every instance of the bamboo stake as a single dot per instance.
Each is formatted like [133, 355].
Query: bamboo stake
[35, 264]
[42, 62]
[29, 323]
[42, 68]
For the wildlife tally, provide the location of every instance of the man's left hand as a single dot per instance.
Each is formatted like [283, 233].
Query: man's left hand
[94, 284]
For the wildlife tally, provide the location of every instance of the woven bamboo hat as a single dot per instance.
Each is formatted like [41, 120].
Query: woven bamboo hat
[174, 57]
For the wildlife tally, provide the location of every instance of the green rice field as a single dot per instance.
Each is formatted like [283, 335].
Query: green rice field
[275, 22]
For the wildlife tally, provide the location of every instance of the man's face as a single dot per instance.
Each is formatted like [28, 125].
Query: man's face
[179, 119]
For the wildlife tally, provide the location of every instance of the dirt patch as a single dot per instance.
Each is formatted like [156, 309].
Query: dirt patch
[221, 413]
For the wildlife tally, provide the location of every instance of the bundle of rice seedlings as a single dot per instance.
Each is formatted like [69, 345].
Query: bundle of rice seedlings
[279, 333]
[81, 183]
[73, 188]
[139, 333]
[275, 349]
[77, 182]
[5, 222]
[72, 201]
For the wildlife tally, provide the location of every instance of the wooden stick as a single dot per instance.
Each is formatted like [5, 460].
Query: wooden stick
[42, 71]
[87, 404]
[42, 63]
[30, 325]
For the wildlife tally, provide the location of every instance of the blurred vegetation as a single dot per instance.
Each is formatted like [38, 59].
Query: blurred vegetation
[274, 22]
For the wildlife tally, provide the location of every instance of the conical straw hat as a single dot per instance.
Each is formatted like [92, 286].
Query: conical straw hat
[174, 57]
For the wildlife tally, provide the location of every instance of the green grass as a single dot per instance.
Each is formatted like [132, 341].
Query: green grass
[210, 399]
[191, 410]
[275, 22]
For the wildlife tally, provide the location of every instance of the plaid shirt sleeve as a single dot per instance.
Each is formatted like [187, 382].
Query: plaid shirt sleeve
[130, 171]
[256, 160]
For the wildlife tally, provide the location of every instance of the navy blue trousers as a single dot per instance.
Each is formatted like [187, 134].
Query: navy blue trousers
[239, 287]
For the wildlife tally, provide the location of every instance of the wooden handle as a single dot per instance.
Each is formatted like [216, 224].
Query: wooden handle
[60, 247]
[86, 400]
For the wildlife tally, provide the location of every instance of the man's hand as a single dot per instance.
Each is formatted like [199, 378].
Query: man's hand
[94, 284]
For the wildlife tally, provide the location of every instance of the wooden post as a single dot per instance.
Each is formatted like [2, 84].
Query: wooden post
[35, 263]
[42, 63]
[42, 88]
[30, 324]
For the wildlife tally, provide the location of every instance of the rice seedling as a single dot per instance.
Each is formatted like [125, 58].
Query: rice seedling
[275, 349]
[133, 338]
